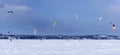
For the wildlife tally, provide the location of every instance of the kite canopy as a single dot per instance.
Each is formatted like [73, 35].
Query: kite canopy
[35, 30]
[113, 27]
[54, 23]
[100, 18]
[11, 12]
[77, 16]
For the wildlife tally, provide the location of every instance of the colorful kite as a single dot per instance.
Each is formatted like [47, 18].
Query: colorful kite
[113, 27]
[54, 23]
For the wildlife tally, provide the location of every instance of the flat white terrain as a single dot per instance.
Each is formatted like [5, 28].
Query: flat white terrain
[60, 47]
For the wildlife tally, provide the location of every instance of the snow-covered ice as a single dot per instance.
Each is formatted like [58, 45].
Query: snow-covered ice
[60, 47]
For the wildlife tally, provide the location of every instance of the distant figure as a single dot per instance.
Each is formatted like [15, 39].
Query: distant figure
[8, 33]
[79, 39]
[11, 40]
[11, 12]
[68, 39]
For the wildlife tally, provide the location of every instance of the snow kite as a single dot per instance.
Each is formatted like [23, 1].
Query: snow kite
[54, 23]
[11, 12]
[77, 16]
[35, 30]
[113, 26]
[100, 18]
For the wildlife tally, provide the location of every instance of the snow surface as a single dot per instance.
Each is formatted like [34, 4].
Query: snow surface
[60, 47]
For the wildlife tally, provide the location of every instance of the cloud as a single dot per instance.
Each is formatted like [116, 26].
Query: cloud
[17, 8]
[115, 7]
[14, 1]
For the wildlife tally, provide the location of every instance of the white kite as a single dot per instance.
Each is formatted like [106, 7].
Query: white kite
[35, 30]
[100, 18]
[9, 37]
[54, 23]
[77, 17]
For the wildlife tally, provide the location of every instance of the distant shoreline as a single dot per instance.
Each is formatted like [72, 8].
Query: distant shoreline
[63, 37]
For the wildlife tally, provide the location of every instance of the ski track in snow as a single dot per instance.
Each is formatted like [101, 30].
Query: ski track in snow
[60, 47]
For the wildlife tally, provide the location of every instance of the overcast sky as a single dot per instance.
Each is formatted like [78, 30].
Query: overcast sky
[41, 13]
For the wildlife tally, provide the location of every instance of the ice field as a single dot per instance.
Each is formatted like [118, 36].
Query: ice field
[60, 47]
